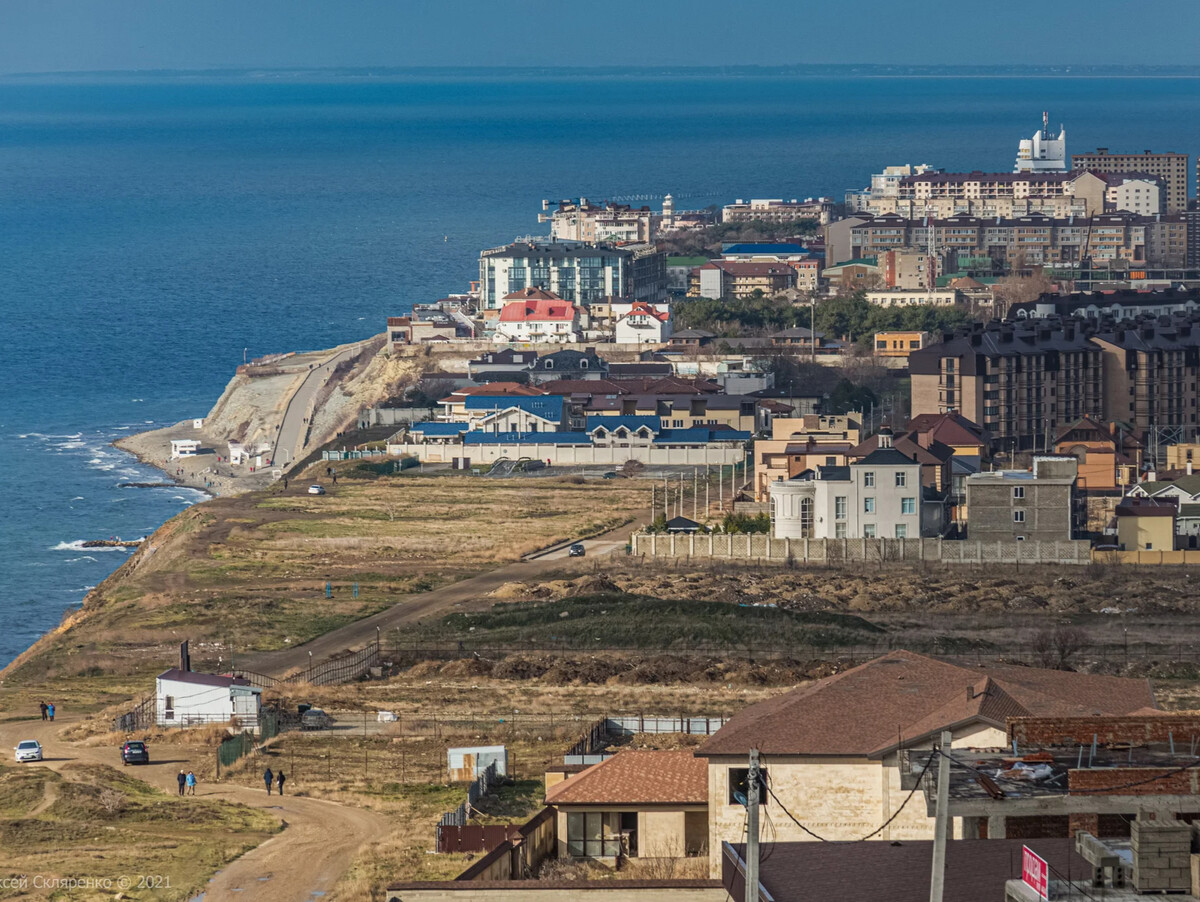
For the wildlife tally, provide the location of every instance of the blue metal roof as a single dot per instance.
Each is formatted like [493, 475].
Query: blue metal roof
[632, 423]
[439, 428]
[548, 407]
[480, 437]
[700, 435]
[765, 249]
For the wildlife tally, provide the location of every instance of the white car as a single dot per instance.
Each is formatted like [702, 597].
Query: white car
[316, 490]
[28, 750]
[386, 716]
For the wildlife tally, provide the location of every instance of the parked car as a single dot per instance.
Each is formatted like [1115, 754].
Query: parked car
[28, 750]
[315, 489]
[386, 717]
[134, 753]
[609, 475]
[315, 719]
[576, 550]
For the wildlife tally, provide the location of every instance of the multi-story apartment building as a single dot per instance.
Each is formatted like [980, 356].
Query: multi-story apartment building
[1124, 304]
[583, 221]
[739, 279]
[777, 210]
[909, 268]
[1027, 380]
[1150, 371]
[1018, 381]
[883, 184]
[579, 273]
[1172, 168]
[1127, 192]
[1004, 194]
[899, 297]
[1121, 239]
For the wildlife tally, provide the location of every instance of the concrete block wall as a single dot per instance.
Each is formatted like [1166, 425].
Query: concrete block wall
[1161, 856]
[1041, 731]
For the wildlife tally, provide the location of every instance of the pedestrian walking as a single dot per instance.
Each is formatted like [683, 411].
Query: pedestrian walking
[44, 708]
[285, 483]
[268, 778]
[50, 711]
[279, 777]
[191, 783]
[182, 778]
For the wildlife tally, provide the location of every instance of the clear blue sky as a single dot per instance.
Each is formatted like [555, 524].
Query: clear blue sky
[71, 35]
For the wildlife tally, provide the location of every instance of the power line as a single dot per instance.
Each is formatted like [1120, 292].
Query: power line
[877, 830]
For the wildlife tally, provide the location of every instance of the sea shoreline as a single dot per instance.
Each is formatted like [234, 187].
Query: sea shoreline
[208, 472]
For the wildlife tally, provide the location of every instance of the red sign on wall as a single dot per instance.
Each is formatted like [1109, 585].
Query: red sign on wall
[1035, 872]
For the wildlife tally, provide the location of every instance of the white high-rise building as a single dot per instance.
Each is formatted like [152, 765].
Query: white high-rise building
[1041, 153]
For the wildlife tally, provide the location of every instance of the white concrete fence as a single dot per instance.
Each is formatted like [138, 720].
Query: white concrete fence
[764, 549]
[577, 455]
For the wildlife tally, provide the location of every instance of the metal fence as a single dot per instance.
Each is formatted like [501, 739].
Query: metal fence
[478, 787]
[235, 748]
[140, 717]
[337, 670]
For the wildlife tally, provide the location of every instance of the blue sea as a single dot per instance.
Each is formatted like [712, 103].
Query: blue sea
[152, 229]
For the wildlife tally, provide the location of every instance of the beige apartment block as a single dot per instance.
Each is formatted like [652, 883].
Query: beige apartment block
[1172, 168]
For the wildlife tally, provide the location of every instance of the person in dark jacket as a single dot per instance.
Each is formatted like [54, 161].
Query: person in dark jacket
[279, 777]
[182, 778]
[268, 778]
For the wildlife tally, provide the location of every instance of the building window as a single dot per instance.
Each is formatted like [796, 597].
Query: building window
[1018, 516]
[737, 785]
[901, 530]
[868, 505]
[901, 479]
[869, 479]
[908, 505]
[839, 530]
[839, 507]
[587, 836]
[169, 707]
[868, 530]
[1018, 491]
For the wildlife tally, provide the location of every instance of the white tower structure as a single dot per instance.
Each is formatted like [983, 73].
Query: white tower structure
[1041, 153]
[668, 213]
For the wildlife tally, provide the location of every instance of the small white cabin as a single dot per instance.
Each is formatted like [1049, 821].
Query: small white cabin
[184, 447]
[184, 698]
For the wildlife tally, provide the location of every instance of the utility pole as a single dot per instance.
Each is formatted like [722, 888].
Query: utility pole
[752, 829]
[938, 877]
[695, 493]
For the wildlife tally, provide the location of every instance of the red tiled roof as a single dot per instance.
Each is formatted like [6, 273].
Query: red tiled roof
[641, 308]
[540, 309]
[637, 778]
[905, 696]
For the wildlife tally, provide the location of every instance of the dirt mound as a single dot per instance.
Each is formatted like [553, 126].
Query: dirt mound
[593, 584]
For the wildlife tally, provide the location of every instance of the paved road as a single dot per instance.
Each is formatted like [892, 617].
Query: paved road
[294, 428]
[303, 862]
[467, 595]
[592, 548]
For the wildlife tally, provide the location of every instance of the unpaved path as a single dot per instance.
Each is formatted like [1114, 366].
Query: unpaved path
[466, 595]
[292, 431]
[303, 862]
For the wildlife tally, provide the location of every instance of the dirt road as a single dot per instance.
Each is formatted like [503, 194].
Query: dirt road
[301, 863]
[292, 431]
[467, 595]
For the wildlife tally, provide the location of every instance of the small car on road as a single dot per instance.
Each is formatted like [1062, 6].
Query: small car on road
[609, 475]
[28, 750]
[134, 752]
[576, 550]
[315, 719]
[316, 489]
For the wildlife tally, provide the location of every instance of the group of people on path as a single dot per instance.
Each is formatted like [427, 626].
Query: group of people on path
[187, 781]
[270, 777]
[47, 710]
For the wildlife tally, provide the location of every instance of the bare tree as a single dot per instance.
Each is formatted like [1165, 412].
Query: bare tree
[1058, 647]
